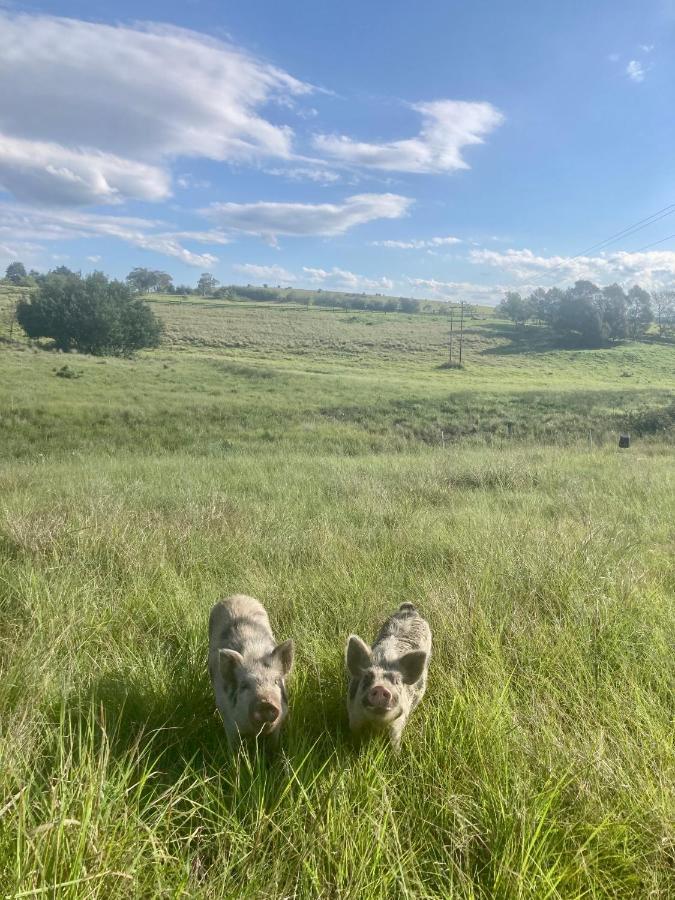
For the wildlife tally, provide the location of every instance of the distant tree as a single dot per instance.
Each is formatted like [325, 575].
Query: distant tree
[91, 314]
[163, 282]
[514, 307]
[664, 311]
[15, 273]
[408, 305]
[207, 284]
[63, 270]
[142, 280]
[612, 304]
[578, 314]
[639, 313]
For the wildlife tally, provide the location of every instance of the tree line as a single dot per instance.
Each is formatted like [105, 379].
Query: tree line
[587, 314]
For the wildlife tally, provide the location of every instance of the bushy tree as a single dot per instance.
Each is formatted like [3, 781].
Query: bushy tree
[514, 307]
[612, 305]
[578, 314]
[664, 311]
[91, 314]
[15, 273]
[639, 313]
[207, 284]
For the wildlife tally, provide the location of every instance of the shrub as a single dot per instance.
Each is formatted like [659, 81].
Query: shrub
[91, 315]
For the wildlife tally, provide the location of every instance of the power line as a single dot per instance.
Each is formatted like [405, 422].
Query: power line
[628, 231]
[654, 244]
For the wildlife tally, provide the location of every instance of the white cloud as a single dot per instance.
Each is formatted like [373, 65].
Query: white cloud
[447, 127]
[36, 171]
[635, 71]
[652, 269]
[29, 224]
[306, 173]
[421, 244]
[646, 48]
[187, 181]
[266, 273]
[94, 259]
[613, 57]
[457, 290]
[97, 112]
[346, 280]
[269, 219]
[336, 278]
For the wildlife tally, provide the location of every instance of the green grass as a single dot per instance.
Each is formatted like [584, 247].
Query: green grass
[298, 456]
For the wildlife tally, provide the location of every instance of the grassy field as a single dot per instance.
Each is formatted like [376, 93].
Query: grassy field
[325, 463]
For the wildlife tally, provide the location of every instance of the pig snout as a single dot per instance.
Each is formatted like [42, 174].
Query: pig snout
[265, 712]
[379, 697]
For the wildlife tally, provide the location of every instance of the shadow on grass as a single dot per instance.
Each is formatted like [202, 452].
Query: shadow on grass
[176, 729]
[529, 339]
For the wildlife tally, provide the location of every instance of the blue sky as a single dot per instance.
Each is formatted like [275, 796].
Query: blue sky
[438, 149]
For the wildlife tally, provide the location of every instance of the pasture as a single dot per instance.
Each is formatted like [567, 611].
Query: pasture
[326, 463]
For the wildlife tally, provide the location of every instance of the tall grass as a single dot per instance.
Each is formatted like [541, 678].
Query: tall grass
[540, 763]
[335, 473]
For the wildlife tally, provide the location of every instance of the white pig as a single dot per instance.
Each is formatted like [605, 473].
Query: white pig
[248, 669]
[388, 680]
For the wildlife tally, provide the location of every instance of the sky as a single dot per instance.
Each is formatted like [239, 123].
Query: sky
[448, 150]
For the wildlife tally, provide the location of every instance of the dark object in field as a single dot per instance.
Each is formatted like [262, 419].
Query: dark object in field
[67, 372]
[387, 681]
[624, 441]
[248, 669]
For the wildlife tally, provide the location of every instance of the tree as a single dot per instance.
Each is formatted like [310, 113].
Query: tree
[15, 273]
[91, 314]
[612, 302]
[207, 284]
[664, 311]
[163, 282]
[515, 308]
[578, 314]
[142, 280]
[639, 313]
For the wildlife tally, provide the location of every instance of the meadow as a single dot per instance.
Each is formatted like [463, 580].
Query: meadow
[328, 464]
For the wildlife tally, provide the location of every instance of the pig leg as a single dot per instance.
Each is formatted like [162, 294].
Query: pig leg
[396, 732]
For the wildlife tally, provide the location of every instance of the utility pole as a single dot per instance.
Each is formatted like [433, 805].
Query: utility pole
[452, 317]
[461, 330]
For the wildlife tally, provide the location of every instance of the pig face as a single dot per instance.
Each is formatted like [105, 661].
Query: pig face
[256, 688]
[377, 688]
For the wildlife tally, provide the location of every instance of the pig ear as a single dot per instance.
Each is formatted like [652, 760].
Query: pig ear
[229, 660]
[283, 656]
[358, 656]
[412, 666]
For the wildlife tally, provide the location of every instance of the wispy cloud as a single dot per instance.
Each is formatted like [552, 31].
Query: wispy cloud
[448, 126]
[25, 223]
[305, 173]
[276, 274]
[336, 278]
[96, 113]
[646, 48]
[271, 219]
[457, 290]
[418, 244]
[635, 71]
[653, 269]
[343, 279]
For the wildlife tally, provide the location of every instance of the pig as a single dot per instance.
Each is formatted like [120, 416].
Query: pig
[388, 680]
[248, 669]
